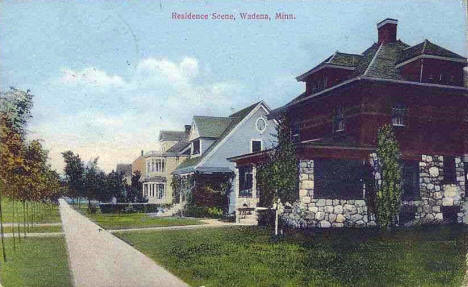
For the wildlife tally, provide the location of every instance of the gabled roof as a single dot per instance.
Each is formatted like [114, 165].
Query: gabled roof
[211, 127]
[234, 120]
[171, 135]
[179, 146]
[426, 48]
[337, 60]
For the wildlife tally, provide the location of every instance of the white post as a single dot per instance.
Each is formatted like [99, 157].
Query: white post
[276, 217]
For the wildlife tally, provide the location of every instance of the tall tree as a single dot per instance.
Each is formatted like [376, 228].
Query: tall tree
[388, 195]
[74, 174]
[15, 111]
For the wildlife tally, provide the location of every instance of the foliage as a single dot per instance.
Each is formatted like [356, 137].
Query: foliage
[74, 174]
[135, 190]
[204, 211]
[388, 191]
[278, 176]
[208, 191]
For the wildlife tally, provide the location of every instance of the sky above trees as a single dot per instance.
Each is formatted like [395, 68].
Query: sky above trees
[108, 75]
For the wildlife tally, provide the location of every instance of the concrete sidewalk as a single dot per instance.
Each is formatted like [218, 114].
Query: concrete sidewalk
[99, 259]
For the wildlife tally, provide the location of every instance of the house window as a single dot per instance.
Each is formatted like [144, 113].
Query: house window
[338, 120]
[398, 115]
[145, 190]
[256, 146]
[339, 179]
[160, 190]
[245, 181]
[449, 213]
[450, 175]
[196, 147]
[410, 180]
[148, 166]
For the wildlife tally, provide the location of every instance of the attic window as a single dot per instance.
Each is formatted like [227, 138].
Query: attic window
[196, 147]
[338, 120]
[256, 146]
[398, 115]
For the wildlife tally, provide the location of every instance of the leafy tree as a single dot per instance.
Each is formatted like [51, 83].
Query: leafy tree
[388, 189]
[277, 177]
[74, 174]
[135, 191]
[15, 110]
[115, 185]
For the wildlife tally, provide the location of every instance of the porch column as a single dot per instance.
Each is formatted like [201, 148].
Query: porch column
[254, 181]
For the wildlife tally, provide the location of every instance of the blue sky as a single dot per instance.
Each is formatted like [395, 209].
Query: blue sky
[108, 75]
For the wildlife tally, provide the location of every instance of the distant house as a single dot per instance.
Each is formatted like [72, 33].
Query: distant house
[419, 90]
[139, 165]
[214, 139]
[159, 165]
[126, 171]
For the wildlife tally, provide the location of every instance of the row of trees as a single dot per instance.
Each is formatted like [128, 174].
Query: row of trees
[87, 181]
[25, 176]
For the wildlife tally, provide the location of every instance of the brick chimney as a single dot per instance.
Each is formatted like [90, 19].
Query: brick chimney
[387, 30]
[187, 129]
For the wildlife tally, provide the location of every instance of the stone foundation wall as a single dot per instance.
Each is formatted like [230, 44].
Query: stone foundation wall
[324, 213]
[309, 211]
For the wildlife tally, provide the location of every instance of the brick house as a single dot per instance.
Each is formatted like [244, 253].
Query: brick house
[418, 89]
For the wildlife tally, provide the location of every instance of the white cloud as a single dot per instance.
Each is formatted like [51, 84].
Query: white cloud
[117, 122]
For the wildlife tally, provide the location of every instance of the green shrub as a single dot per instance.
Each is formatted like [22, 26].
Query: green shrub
[203, 211]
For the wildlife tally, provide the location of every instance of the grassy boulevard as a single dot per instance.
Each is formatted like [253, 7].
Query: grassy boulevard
[134, 220]
[36, 261]
[247, 256]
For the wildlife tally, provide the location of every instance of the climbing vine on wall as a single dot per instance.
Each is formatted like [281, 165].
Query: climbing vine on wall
[278, 176]
[389, 188]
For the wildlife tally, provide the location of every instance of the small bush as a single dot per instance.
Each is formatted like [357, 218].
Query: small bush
[130, 208]
[203, 211]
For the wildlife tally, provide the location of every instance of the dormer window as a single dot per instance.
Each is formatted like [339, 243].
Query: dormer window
[196, 147]
[338, 120]
[399, 115]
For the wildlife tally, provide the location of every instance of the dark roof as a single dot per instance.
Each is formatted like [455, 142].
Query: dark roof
[337, 59]
[179, 146]
[124, 168]
[211, 127]
[234, 120]
[379, 62]
[172, 135]
[426, 48]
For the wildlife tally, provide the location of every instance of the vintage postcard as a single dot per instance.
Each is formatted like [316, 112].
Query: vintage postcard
[233, 143]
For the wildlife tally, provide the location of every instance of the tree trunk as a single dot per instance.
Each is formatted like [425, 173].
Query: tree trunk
[24, 218]
[13, 226]
[1, 229]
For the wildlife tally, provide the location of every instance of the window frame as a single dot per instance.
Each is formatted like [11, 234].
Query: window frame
[251, 145]
[339, 119]
[245, 181]
[399, 115]
[198, 151]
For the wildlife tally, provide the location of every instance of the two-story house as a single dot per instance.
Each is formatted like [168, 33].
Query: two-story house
[419, 90]
[214, 139]
[160, 164]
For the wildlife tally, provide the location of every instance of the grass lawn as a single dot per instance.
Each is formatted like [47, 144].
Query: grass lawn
[248, 256]
[135, 220]
[36, 262]
[47, 213]
[34, 229]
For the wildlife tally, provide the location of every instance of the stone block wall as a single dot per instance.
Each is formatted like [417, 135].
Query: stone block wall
[309, 211]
